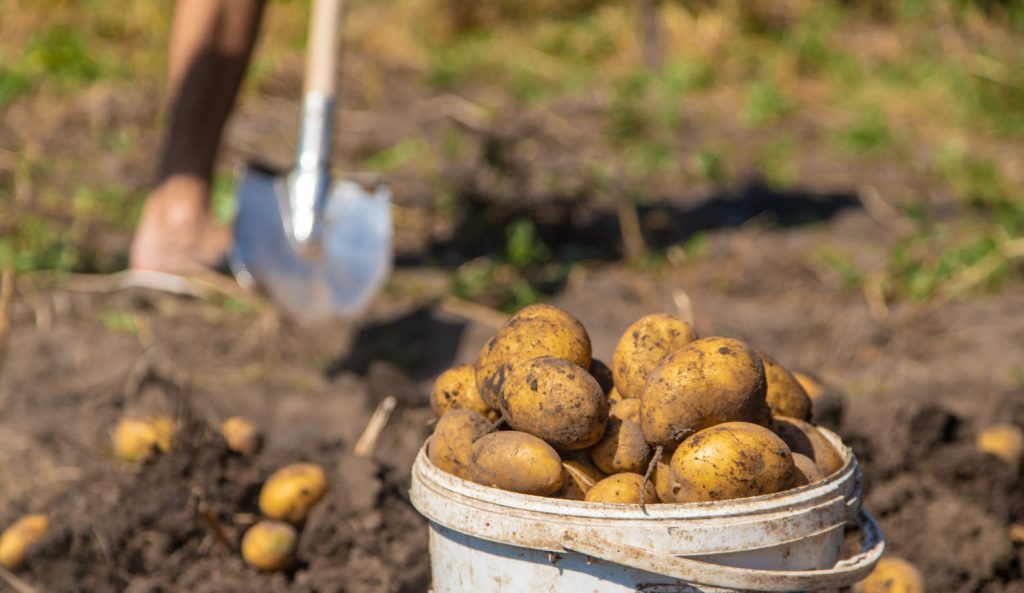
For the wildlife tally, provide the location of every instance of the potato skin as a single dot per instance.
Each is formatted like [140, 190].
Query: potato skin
[802, 437]
[1005, 441]
[453, 437]
[269, 545]
[642, 348]
[290, 492]
[21, 535]
[578, 475]
[537, 330]
[555, 400]
[707, 382]
[456, 388]
[242, 437]
[621, 449]
[892, 575]
[731, 460]
[784, 394]
[134, 439]
[625, 409]
[517, 462]
[622, 488]
[662, 477]
[808, 470]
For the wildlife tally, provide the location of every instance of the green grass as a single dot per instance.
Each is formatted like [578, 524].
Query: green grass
[766, 104]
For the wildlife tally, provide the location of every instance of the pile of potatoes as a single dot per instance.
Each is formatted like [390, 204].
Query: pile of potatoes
[676, 418]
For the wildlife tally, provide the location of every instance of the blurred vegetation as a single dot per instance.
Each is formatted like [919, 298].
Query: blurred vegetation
[935, 85]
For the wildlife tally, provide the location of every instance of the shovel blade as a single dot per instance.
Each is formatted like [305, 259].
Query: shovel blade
[350, 264]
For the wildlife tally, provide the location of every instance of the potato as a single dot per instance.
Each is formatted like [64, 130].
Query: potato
[456, 388]
[827, 403]
[622, 488]
[642, 348]
[555, 400]
[454, 435]
[662, 477]
[1005, 441]
[812, 387]
[241, 435]
[731, 460]
[166, 429]
[809, 471]
[625, 409]
[517, 462]
[19, 537]
[290, 492]
[707, 382]
[269, 545]
[537, 330]
[802, 437]
[892, 575]
[621, 449]
[134, 439]
[615, 396]
[578, 476]
[784, 394]
[602, 374]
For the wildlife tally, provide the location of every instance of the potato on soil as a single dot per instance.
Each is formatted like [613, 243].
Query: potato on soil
[642, 348]
[802, 437]
[784, 394]
[269, 545]
[602, 374]
[1005, 441]
[809, 471]
[555, 400]
[456, 388]
[166, 430]
[453, 437]
[707, 382]
[134, 439]
[578, 476]
[19, 537]
[537, 330]
[625, 409]
[622, 488]
[731, 460]
[892, 575]
[517, 462]
[290, 492]
[621, 449]
[241, 436]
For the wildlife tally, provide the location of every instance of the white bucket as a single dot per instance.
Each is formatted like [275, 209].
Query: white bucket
[486, 540]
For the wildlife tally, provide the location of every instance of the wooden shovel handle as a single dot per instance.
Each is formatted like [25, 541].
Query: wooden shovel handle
[322, 51]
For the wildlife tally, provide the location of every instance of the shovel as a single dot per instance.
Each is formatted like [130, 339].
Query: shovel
[318, 248]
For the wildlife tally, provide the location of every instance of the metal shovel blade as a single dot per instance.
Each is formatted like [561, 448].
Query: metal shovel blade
[337, 277]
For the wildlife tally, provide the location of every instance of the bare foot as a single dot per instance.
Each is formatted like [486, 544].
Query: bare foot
[177, 232]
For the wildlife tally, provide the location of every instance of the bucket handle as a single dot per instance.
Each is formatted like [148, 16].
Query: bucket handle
[843, 574]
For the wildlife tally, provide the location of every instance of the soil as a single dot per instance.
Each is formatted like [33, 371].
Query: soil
[918, 382]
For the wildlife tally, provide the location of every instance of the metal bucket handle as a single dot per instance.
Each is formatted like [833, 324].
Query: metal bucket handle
[844, 573]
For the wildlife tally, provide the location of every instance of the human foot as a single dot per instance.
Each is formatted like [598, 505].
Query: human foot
[177, 232]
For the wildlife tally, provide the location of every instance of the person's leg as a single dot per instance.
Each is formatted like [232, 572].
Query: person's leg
[211, 43]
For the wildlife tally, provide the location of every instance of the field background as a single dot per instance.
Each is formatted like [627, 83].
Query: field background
[839, 182]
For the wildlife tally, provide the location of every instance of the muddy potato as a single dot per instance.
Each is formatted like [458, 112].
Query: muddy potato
[134, 439]
[731, 460]
[241, 436]
[1005, 441]
[892, 575]
[622, 488]
[603, 375]
[707, 382]
[537, 330]
[802, 437]
[290, 492]
[578, 475]
[662, 477]
[621, 449]
[555, 400]
[625, 409]
[456, 388]
[453, 437]
[642, 348]
[809, 471]
[19, 537]
[517, 462]
[784, 394]
[269, 545]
